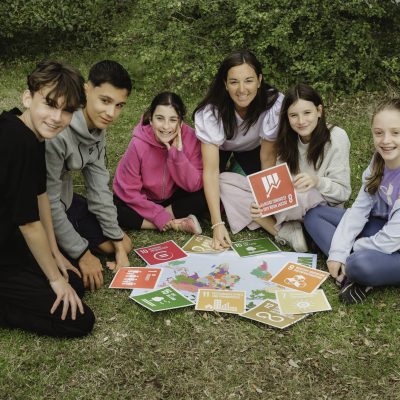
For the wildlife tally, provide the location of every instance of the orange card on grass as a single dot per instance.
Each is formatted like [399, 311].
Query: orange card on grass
[135, 278]
[273, 189]
[298, 277]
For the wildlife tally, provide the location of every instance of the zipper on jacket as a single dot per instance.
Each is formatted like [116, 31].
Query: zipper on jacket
[163, 178]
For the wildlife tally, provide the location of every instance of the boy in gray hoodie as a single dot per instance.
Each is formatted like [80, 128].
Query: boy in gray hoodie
[84, 224]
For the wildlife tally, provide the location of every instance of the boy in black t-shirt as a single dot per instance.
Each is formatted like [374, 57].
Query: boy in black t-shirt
[38, 286]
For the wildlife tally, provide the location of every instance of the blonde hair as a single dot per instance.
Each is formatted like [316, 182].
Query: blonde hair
[378, 164]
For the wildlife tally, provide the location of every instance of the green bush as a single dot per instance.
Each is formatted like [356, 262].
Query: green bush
[27, 24]
[335, 45]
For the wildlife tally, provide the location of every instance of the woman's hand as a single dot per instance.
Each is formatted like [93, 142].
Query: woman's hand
[303, 182]
[67, 295]
[64, 264]
[255, 211]
[221, 239]
[177, 142]
[337, 270]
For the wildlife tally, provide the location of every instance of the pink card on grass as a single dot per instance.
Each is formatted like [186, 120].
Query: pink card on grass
[161, 253]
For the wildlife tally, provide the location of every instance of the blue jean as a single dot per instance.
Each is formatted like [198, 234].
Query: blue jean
[366, 267]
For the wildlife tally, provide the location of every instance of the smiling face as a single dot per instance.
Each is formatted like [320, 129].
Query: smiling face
[165, 122]
[303, 118]
[45, 117]
[242, 84]
[386, 135]
[104, 104]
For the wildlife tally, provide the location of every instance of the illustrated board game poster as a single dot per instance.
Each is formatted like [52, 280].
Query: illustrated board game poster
[291, 302]
[162, 299]
[268, 313]
[161, 253]
[200, 244]
[229, 271]
[299, 277]
[132, 277]
[228, 301]
[273, 189]
[251, 247]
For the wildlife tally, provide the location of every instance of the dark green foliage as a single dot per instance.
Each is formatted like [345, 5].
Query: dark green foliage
[334, 45]
[30, 25]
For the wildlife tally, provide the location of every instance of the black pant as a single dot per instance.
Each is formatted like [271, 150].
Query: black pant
[182, 204]
[248, 160]
[26, 298]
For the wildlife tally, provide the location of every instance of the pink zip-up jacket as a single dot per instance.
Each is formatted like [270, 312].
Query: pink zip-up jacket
[148, 173]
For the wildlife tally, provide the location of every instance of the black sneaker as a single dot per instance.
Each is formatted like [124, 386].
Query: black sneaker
[353, 293]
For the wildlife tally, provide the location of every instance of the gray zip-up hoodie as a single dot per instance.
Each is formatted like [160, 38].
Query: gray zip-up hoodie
[75, 148]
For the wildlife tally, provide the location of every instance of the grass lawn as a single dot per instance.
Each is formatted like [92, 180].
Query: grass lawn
[348, 353]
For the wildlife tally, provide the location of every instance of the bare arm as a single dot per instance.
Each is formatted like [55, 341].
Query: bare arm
[45, 217]
[210, 153]
[267, 154]
[36, 238]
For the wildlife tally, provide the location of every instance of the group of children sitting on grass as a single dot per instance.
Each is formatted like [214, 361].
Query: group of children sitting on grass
[50, 237]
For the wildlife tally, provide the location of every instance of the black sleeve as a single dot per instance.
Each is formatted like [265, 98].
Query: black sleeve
[24, 182]
[42, 173]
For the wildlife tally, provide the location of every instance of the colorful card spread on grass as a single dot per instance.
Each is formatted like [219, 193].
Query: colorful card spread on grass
[268, 313]
[200, 244]
[161, 253]
[228, 301]
[299, 277]
[291, 302]
[162, 299]
[132, 277]
[229, 271]
[251, 247]
[273, 189]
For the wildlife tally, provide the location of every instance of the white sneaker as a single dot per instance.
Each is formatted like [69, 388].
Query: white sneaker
[291, 234]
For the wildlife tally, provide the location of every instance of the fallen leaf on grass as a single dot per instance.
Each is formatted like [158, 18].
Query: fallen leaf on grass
[293, 363]
[257, 389]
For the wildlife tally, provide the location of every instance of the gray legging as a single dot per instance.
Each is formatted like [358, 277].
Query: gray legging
[366, 267]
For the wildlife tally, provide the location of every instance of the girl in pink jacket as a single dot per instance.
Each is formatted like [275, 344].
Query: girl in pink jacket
[158, 182]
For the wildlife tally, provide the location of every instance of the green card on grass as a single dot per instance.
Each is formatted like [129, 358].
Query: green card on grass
[251, 247]
[166, 298]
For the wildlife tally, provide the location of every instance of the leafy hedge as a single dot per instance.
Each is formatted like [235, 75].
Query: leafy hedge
[35, 23]
[335, 45]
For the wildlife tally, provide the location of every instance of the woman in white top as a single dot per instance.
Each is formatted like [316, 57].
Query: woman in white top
[239, 115]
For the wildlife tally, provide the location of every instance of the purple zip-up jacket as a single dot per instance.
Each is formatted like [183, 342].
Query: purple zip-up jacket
[148, 173]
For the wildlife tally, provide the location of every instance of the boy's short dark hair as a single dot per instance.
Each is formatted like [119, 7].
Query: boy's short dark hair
[65, 81]
[108, 71]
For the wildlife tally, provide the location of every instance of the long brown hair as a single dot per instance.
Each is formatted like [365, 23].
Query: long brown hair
[287, 138]
[221, 102]
[378, 164]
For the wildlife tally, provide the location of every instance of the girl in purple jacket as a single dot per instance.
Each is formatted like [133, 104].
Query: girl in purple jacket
[158, 182]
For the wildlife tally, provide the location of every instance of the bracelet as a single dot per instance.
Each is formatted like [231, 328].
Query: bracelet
[217, 224]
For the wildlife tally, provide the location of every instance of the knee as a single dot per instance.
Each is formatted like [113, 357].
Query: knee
[311, 216]
[81, 326]
[358, 268]
[87, 322]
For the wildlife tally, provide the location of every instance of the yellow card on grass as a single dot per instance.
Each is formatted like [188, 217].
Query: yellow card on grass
[299, 277]
[227, 301]
[291, 302]
[268, 313]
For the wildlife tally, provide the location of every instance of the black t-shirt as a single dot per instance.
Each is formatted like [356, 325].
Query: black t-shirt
[22, 179]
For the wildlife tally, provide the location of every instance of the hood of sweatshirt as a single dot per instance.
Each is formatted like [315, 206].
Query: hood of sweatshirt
[145, 133]
[83, 135]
